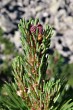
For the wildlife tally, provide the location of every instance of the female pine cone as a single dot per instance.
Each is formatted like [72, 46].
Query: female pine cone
[38, 28]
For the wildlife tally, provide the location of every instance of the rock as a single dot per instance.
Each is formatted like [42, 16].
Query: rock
[20, 3]
[16, 39]
[26, 2]
[6, 24]
[4, 2]
[13, 16]
[69, 22]
[3, 57]
[71, 59]
[54, 6]
[65, 54]
[45, 14]
[2, 47]
[68, 37]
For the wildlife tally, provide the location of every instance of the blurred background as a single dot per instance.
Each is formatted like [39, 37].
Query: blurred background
[57, 13]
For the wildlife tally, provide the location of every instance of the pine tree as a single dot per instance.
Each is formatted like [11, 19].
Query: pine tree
[34, 88]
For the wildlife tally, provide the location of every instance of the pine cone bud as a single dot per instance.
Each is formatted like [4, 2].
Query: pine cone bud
[40, 28]
[33, 29]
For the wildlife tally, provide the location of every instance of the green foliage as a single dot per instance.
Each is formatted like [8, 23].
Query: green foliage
[11, 101]
[60, 68]
[9, 46]
[38, 83]
[7, 51]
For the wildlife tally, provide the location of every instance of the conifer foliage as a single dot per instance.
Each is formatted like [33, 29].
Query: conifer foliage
[33, 87]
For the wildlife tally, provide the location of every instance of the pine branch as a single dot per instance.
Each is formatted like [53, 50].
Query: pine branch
[32, 89]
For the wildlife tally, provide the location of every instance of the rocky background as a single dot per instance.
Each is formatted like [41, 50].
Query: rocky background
[57, 13]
